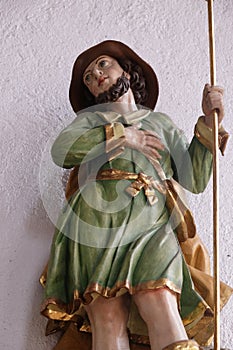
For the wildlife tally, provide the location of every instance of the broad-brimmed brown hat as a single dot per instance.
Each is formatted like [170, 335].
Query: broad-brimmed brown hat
[117, 50]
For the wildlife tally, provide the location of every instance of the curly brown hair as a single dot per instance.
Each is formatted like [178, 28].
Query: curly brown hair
[137, 80]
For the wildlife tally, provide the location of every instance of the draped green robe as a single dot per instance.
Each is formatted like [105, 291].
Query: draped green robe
[109, 243]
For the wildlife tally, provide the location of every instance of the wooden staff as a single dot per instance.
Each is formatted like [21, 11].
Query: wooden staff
[215, 185]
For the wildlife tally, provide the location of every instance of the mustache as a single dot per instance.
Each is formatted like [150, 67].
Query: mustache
[115, 91]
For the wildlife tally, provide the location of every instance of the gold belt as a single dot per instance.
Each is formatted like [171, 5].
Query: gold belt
[142, 181]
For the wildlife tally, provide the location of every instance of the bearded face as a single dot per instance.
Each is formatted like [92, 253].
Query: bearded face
[107, 80]
[115, 91]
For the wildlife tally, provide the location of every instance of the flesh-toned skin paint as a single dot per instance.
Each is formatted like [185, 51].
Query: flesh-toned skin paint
[101, 74]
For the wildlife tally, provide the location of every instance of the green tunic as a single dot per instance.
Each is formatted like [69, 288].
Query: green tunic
[109, 243]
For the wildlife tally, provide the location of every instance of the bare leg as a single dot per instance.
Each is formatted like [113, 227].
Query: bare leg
[108, 318]
[159, 310]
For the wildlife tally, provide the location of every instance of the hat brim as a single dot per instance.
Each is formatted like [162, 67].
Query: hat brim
[117, 50]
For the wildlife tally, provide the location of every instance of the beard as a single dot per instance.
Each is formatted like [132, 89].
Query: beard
[115, 91]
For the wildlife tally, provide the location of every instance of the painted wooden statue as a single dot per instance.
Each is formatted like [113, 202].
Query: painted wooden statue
[126, 263]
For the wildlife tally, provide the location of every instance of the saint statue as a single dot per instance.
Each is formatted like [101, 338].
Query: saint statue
[126, 263]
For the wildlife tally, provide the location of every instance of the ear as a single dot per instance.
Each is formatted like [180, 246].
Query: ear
[126, 75]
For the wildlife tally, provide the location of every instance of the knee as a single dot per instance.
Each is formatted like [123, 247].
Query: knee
[107, 314]
[111, 312]
[152, 303]
[148, 297]
[114, 321]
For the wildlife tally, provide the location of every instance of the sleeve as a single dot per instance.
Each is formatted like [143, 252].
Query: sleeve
[86, 139]
[191, 163]
[193, 170]
[205, 136]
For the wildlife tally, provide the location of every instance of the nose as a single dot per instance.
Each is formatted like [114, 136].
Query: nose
[97, 72]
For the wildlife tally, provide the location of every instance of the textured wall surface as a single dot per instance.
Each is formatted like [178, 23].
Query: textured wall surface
[39, 41]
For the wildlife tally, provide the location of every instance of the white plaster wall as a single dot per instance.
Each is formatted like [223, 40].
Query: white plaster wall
[39, 41]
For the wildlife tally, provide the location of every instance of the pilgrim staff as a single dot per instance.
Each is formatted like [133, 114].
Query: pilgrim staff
[215, 183]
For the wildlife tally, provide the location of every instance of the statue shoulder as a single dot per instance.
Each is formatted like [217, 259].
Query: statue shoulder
[161, 119]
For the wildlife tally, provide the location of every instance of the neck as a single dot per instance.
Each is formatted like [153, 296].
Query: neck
[126, 103]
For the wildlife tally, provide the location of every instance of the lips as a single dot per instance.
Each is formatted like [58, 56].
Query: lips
[101, 80]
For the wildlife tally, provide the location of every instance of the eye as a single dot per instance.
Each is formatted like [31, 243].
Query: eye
[87, 78]
[103, 63]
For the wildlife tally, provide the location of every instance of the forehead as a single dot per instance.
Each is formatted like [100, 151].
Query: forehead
[95, 61]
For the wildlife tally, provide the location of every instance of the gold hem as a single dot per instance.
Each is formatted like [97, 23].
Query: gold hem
[199, 325]
[56, 309]
[183, 345]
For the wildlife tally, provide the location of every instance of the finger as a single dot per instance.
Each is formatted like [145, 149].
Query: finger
[153, 142]
[151, 133]
[213, 88]
[151, 153]
[207, 85]
[218, 88]
[215, 100]
[206, 89]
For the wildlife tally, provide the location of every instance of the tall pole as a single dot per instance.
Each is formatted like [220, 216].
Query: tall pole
[215, 185]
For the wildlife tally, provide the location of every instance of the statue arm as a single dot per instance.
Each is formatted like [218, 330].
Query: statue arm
[86, 139]
[195, 166]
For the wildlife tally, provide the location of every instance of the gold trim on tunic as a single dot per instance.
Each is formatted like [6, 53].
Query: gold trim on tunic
[199, 324]
[58, 310]
[204, 134]
[141, 181]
